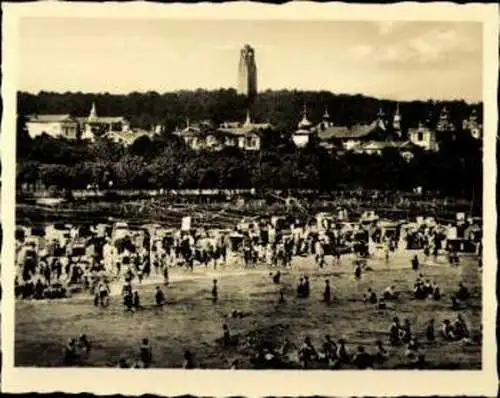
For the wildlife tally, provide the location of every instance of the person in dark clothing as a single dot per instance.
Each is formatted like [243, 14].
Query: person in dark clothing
[463, 293]
[282, 297]
[145, 353]
[307, 290]
[136, 301]
[47, 274]
[394, 332]
[84, 344]
[461, 328]
[188, 360]
[371, 297]
[300, 288]
[447, 330]
[381, 304]
[215, 294]
[361, 359]
[327, 294]
[342, 352]
[307, 353]
[381, 353]
[429, 331]
[128, 301]
[436, 294]
[159, 297]
[122, 364]
[39, 288]
[70, 355]
[358, 271]
[277, 277]
[415, 263]
[127, 287]
[226, 338]
[330, 348]
[406, 329]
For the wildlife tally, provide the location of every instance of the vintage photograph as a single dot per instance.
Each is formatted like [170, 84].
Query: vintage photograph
[249, 194]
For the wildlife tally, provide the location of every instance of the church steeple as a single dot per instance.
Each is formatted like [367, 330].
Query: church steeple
[248, 121]
[93, 112]
[381, 118]
[380, 113]
[326, 115]
[396, 123]
[304, 123]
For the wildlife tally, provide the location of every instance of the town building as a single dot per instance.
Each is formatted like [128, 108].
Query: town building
[305, 131]
[200, 136]
[94, 125]
[127, 138]
[473, 125]
[363, 138]
[424, 137]
[55, 126]
[444, 124]
[247, 72]
[247, 136]
[350, 138]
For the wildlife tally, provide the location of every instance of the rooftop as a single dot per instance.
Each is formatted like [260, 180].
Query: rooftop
[50, 118]
[343, 132]
[103, 119]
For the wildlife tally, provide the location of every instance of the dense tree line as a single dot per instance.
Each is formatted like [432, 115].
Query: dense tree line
[166, 162]
[281, 108]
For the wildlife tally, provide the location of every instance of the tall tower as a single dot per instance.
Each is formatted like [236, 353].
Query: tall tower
[247, 72]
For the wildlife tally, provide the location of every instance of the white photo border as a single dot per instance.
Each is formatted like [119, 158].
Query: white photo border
[252, 383]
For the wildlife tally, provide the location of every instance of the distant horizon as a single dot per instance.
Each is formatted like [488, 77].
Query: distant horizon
[393, 60]
[160, 93]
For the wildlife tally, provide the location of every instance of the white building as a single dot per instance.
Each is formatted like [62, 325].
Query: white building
[301, 136]
[99, 125]
[423, 137]
[55, 126]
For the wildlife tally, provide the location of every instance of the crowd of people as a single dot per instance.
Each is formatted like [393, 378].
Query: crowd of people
[51, 266]
[330, 355]
[58, 262]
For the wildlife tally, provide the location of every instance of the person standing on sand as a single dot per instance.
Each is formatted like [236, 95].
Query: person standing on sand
[415, 263]
[327, 294]
[215, 294]
[145, 353]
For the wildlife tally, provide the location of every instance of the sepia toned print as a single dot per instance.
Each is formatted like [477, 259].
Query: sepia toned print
[250, 194]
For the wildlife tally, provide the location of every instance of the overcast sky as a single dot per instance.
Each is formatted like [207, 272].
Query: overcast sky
[400, 60]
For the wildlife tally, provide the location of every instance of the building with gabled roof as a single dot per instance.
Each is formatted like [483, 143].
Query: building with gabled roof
[473, 125]
[247, 136]
[127, 138]
[424, 137]
[55, 126]
[95, 125]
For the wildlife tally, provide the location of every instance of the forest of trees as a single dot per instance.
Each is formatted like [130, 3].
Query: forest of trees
[166, 162]
[283, 108]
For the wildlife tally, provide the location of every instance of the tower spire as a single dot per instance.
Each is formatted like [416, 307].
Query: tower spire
[304, 123]
[326, 115]
[93, 112]
[396, 122]
[380, 113]
[248, 121]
